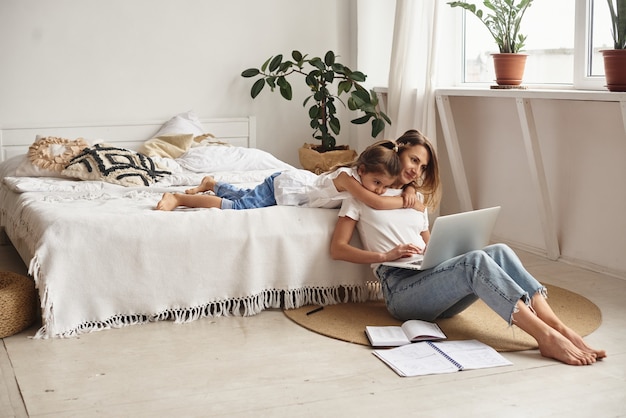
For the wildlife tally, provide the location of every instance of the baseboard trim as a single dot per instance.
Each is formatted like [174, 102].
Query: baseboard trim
[596, 268]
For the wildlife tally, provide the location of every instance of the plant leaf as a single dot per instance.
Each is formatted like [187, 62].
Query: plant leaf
[317, 63]
[314, 112]
[361, 120]
[361, 98]
[285, 66]
[352, 104]
[257, 87]
[250, 72]
[285, 88]
[329, 58]
[357, 76]
[275, 62]
[377, 127]
[335, 125]
[344, 86]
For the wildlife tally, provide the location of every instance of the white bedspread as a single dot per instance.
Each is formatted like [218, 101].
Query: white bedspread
[102, 257]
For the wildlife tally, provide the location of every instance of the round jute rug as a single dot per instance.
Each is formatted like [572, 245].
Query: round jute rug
[347, 321]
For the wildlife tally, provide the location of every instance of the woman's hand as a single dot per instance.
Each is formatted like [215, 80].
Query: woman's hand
[403, 251]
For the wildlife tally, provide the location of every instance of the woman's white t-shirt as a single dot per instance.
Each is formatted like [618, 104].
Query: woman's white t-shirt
[306, 189]
[382, 230]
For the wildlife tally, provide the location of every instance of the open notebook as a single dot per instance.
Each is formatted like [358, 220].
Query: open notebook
[453, 235]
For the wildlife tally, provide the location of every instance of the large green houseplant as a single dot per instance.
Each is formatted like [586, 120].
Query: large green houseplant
[319, 75]
[503, 20]
[615, 59]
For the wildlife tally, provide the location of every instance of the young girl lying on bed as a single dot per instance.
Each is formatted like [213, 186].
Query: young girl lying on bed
[382, 165]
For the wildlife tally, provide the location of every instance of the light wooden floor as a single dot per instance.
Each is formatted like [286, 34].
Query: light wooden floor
[267, 366]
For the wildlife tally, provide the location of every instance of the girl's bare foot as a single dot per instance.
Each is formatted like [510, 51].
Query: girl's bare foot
[167, 202]
[207, 184]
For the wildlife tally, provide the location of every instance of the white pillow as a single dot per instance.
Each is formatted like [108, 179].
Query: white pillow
[183, 123]
[8, 167]
[212, 159]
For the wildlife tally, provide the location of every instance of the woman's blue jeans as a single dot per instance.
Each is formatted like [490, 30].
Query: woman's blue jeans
[494, 274]
[235, 198]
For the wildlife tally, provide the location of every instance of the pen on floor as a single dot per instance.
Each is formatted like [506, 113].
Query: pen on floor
[315, 310]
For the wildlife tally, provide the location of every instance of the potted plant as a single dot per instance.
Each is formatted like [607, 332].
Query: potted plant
[319, 75]
[615, 59]
[503, 22]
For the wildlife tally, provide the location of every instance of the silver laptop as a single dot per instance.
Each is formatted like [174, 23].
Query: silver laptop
[453, 235]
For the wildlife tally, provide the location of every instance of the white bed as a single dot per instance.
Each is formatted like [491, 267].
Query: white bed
[102, 257]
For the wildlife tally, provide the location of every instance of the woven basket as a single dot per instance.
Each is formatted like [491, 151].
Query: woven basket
[17, 303]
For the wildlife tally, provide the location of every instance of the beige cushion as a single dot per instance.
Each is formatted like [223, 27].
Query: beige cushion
[167, 146]
[48, 156]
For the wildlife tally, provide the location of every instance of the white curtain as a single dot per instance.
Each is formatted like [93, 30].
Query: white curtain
[413, 68]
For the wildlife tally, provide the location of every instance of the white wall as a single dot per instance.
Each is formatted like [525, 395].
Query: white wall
[94, 61]
[68, 61]
[583, 145]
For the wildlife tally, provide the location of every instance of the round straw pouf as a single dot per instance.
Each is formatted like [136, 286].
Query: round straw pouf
[17, 303]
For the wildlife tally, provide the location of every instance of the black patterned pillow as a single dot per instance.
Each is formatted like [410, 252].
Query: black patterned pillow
[114, 165]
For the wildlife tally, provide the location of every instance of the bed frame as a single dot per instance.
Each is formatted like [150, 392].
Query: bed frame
[15, 140]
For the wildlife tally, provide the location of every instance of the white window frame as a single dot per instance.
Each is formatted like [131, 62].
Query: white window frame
[582, 48]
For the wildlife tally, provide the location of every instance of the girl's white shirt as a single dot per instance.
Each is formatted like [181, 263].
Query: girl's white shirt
[306, 189]
[382, 230]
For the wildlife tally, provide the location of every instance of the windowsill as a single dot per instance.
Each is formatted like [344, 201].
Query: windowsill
[534, 93]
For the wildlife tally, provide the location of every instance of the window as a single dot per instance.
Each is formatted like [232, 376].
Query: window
[564, 39]
[600, 36]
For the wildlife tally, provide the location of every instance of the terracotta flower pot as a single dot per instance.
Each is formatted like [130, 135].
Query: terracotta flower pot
[615, 69]
[509, 68]
[319, 162]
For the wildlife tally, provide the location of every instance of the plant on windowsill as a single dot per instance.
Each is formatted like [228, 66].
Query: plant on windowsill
[503, 22]
[615, 59]
[319, 75]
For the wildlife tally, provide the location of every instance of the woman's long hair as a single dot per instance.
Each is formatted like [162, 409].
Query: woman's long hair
[429, 184]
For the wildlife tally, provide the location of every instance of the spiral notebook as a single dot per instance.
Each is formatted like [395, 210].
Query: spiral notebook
[430, 357]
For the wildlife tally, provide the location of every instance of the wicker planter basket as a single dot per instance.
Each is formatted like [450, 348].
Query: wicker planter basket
[319, 162]
[18, 306]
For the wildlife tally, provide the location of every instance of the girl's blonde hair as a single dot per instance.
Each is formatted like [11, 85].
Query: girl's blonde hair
[429, 184]
[380, 157]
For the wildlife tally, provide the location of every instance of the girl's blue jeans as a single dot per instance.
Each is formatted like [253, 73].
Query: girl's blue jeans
[235, 198]
[494, 274]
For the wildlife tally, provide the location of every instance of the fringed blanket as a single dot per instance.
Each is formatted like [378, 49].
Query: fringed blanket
[102, 257]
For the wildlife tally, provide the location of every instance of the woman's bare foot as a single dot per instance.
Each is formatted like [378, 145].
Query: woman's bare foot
[578, 341]
[552, 342]
[207, 184]
[167, 202]
[547, 315]
[556, 346]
